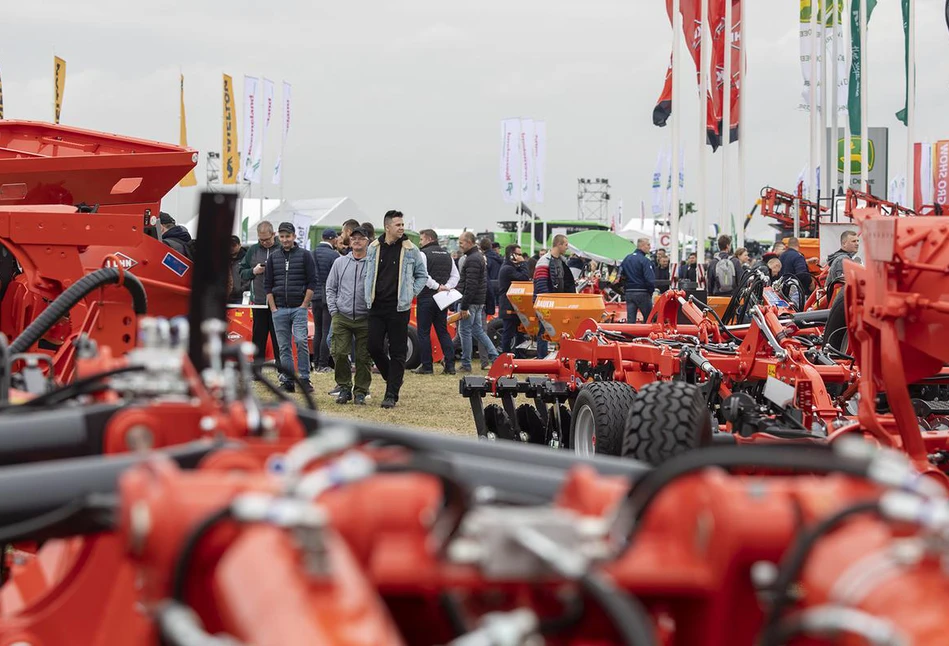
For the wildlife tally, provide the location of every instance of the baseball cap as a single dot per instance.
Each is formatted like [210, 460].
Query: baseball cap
[286, 227]
[329, 234]
[235, 240]
[359, 231]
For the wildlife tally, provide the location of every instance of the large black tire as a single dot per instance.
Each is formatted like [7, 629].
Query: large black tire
[666, 418]
[494, 329]
[602, 405]
[413, 358]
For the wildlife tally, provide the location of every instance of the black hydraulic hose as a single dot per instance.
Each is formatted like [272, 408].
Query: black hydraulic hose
[807, 459]
[5, 366]
[793, 564]
[625, 611]
[72, 296]
[182, 568]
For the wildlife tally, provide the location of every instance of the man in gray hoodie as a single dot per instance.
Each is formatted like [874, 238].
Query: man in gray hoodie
[346, 301]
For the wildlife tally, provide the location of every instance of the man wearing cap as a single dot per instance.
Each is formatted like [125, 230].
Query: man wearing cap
[174, 235]
[252, 269]
[394, 277]
[290, 281]
[237, 284]
[346, 300]
[324, 256]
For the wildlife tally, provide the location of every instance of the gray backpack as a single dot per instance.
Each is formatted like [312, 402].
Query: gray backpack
[725, 275]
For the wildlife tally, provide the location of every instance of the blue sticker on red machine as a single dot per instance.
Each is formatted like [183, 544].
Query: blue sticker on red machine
[175, 264]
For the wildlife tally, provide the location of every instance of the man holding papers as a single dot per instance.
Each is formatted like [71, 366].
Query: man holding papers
[442, 278]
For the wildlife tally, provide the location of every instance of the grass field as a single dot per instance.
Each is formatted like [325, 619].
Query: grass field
[426, 401]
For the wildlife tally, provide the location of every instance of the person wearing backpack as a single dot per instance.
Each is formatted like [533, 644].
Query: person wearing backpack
[724, 270]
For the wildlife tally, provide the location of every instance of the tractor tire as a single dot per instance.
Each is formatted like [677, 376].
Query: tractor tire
[599, 414]
[413, 357]
[666, 418]
[835, 330]
[494, 329]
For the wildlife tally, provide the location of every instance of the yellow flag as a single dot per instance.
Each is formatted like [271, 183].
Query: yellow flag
[230, 157]
[189, 179]
[59, 85]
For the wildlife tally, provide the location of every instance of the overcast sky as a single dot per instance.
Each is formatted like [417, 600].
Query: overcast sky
[398, 104]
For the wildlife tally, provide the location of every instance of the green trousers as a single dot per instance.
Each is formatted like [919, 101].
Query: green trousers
[346, 332]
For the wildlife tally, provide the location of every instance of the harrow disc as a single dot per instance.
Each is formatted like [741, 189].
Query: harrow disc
[532, 426]
[498, 424]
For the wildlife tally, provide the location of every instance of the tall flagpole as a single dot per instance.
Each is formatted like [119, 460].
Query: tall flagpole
[910, 100]
[726, 115]
[864, 128]
[834, 107]
[676, 112]
[822, 111]
[700, 225]
[742, 90]
[812, 179]
[848, 134]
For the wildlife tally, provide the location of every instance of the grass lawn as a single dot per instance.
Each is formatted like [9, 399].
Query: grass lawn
[426, 401]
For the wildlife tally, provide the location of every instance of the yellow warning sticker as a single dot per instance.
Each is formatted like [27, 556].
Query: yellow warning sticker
[772, 370]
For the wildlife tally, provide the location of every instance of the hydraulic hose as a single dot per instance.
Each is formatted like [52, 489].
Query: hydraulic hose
[72, 296]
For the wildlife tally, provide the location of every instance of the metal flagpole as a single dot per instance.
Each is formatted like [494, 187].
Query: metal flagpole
[742, 140]
[726, 115]
[812, 93]
[834, 107]
[864, 128]
[703, 135]
[676, 112]
[823, 6]
[848, 134]
[910, 100]
[263, 148]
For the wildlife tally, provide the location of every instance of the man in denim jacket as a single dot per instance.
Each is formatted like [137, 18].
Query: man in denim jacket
[395, 274]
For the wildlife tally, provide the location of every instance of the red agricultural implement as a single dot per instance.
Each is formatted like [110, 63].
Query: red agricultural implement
[72, 202]
[367, 535]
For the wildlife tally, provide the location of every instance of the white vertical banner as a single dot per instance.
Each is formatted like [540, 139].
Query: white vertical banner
[897, 190]
[250, 131]
[836, 34]
[812, 39]
[510, 135]
[302, 224]
[527, 160]
[268, 102]
[277, 174]
[540, 160]
[657, 194]
[926, 177]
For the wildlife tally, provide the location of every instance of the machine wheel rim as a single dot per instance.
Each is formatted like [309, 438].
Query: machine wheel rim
[584, 432]
[409, 348]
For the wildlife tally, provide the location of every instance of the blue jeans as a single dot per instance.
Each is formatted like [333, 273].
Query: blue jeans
[638, 301]
[473, 328]
[287, 321]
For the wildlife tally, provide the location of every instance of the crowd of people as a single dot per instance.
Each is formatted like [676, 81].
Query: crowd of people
[360, 289]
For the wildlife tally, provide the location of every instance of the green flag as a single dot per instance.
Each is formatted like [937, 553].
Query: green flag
[901, 115]
[853, 101]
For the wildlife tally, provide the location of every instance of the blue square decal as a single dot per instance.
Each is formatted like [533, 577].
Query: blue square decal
[175, 264]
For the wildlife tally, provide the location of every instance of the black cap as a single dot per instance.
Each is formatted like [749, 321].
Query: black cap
[164, 218]
[359, 231]
[286, 227]
[235, 240]
[329, 234]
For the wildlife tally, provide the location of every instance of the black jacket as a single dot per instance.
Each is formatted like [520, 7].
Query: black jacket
[474, 279]
[323, 257]
[289, 275]
[794, 264]
[178, 238]
[509, 273]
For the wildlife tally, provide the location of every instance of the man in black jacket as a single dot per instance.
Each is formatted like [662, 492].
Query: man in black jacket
[290, 280]
[512, 270]
[474, 287]
[174, 235]
[794, 264]
[238, 284]
[324, 256]
[442, 276]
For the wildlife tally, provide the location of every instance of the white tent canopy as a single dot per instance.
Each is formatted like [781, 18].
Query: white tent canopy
[331, 211]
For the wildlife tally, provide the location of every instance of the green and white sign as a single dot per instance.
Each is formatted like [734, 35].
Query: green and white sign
[873, 154]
